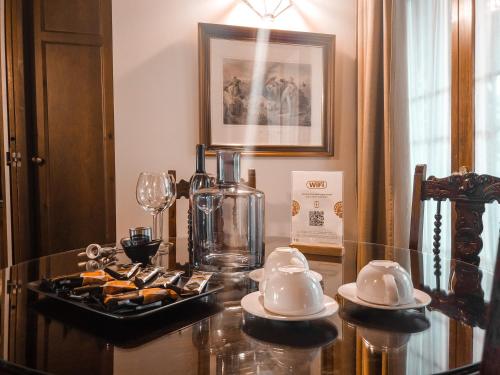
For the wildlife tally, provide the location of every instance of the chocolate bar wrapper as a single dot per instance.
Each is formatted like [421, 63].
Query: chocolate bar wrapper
[111, 287]
[79, 291]
[167, 280]
[196, 283]
[79, 279]
[123, 271]
[146, 275]
[140, 297]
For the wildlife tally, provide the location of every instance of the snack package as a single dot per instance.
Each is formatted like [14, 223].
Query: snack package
[118, 286]
[123, 271]
[146, 275]
[196, 283]
[166, 280]
[140, 297]
[79, 279]
[111, 287]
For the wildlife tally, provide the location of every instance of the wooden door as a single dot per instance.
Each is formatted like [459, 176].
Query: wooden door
[74, 123]
[72, 155]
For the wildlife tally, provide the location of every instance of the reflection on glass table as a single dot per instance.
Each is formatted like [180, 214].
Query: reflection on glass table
[214, 336]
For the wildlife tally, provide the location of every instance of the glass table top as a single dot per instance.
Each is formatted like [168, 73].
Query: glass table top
[215, 336]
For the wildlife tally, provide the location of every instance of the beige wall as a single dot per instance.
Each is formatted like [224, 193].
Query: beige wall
[156, 98]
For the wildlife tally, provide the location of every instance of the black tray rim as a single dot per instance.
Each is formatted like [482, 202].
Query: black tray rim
[209, 290]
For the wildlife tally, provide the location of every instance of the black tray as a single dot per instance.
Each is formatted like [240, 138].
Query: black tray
[211, 288]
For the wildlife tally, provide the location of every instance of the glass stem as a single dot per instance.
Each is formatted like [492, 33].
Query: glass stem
[161, 225]
[155, 226]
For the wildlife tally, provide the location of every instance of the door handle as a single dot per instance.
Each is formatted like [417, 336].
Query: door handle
[37, 160]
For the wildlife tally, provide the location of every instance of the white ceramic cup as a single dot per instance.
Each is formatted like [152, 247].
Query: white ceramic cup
[384, 282]
[293, 291]
[282, 256]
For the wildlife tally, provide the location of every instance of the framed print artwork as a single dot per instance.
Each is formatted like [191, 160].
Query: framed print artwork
[266, 92]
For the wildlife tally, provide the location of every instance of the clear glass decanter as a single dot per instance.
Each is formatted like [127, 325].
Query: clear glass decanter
[228, 221]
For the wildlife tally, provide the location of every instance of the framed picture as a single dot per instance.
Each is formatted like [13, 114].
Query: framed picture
[266, 92]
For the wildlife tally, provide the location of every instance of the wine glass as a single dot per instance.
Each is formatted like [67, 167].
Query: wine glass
[208, 201]
[156, 192]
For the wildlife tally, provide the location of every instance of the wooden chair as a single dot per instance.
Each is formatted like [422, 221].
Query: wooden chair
[469, 192]
[490, 363]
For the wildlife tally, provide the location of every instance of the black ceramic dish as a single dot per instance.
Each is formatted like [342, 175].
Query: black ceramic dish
[140, 253]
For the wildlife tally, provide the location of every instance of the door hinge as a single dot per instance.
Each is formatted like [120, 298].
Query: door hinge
[13, 159]
[12, 287]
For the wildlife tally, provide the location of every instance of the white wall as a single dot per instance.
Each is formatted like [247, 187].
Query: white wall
[156, 98]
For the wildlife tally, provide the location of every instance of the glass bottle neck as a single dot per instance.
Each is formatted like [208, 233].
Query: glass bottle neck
[200, 159]
[228, 167]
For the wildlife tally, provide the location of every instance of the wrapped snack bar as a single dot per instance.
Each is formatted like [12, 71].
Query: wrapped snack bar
[111, 287]
[140, 297]
[196, 283]
[146, 275]
[79, 279]
[123, 271]
[166, 280]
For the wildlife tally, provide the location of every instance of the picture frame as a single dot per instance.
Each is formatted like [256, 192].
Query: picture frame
[266, 92]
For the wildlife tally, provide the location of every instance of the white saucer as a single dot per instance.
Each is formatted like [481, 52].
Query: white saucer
[258, 275]
[253, 303]
[349, 292]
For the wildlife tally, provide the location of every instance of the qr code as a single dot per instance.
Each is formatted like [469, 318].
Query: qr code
[316, 218]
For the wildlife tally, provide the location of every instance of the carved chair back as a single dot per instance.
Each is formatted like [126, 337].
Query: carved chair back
[469, 192]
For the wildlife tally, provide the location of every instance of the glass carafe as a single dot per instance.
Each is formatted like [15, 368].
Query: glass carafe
[228, 221]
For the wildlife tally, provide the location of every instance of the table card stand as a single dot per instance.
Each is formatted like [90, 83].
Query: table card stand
[317, 212]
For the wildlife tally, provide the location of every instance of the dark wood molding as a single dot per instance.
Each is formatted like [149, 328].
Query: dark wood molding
[416, 225]
[4, 251]
[417, 208]
[462, 84]
[327, 42]
[108, 117]
[18, 113]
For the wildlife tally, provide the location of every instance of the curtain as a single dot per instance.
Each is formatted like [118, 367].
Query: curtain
[487, 116]
[404, 81]
[374, 172]
[429, 90]
[428, 50]
[384, 178]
